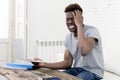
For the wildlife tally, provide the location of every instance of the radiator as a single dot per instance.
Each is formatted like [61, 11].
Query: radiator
[50, 51]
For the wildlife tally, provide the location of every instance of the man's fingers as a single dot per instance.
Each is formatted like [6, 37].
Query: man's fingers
[35, 63]
[77, 13]
[73, 14]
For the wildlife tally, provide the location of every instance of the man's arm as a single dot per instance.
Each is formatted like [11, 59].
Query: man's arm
[66, 63]
[85, 44]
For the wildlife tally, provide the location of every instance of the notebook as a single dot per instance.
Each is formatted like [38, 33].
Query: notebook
[22, 66]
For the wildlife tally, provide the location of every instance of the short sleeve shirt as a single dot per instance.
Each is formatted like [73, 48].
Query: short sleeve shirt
[92, 62]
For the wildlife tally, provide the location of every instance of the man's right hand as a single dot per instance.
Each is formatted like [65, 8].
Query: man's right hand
[38, 62]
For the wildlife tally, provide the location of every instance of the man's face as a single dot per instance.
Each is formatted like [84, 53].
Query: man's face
[70, 22]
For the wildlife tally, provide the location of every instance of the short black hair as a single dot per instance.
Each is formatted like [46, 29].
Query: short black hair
[72, 7]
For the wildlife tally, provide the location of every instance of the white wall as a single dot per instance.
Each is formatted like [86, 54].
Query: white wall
[46, 21]
[105, 16]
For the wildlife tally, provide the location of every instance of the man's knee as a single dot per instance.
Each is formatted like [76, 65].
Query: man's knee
[81, 76]
[86, 76]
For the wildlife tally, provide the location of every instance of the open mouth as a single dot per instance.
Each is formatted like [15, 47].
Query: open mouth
[71, 27]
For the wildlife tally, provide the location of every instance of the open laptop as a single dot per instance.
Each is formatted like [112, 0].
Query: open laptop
[19, 51]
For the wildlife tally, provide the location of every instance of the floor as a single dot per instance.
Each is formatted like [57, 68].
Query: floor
[110, 76]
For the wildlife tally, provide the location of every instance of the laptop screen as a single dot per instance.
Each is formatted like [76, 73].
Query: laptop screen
[19, 49]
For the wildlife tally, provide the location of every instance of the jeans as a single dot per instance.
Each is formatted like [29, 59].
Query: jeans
[82, 73]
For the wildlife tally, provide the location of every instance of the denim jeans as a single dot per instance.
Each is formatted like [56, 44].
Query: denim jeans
[82, 73]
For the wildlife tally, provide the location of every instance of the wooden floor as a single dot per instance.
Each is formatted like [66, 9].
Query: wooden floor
[38, 74]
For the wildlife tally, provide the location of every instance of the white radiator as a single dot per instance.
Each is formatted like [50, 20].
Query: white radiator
[50, 51]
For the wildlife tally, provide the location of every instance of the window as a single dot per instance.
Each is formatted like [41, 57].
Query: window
[4, 18]
[20, 19]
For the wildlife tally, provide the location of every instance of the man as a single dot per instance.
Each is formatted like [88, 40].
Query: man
[83, 45]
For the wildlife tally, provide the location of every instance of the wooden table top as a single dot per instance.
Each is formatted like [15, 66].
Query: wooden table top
[38, 74]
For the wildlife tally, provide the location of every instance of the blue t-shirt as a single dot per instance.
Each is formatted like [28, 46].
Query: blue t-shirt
[92, 62]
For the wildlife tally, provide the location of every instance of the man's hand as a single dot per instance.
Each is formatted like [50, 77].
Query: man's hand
[78, 18]
[37, 62]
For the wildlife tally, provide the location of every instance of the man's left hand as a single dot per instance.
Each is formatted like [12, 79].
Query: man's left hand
[78, 18]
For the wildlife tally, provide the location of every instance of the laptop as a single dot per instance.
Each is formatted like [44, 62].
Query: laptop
[20, 52]
[19, 49]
